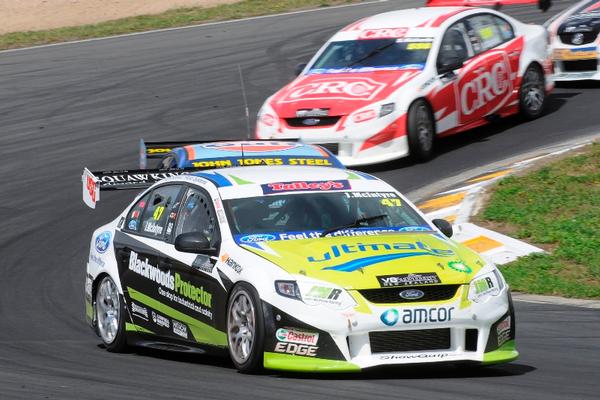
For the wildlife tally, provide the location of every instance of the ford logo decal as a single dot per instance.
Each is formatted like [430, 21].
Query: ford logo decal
[412, 294]
[257, 238]
[103, 241]
[311, 121]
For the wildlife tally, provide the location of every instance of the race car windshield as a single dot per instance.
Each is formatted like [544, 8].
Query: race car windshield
[309, 215]
[360, 55]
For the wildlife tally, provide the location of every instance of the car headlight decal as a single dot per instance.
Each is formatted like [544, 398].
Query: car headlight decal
[485, 286]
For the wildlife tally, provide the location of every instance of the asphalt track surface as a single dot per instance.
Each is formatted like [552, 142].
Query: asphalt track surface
[87, 104]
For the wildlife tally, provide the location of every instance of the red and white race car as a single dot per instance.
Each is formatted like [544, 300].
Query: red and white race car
[575, 41]
[385, 86]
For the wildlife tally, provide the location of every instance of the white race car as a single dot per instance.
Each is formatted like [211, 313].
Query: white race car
[575, 41]
[385, 86]
[303, 268]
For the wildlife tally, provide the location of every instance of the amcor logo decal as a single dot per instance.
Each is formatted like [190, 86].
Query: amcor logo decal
[331, 88]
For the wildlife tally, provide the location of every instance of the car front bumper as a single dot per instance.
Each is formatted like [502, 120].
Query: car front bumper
[483, 333]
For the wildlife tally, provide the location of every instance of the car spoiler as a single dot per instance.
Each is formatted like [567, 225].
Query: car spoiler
[543, 5]
[159, 150]
[94, 182]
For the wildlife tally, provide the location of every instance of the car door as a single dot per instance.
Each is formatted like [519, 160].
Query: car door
[487, 82]
[144, 280]
[455, 49]
[199, 295]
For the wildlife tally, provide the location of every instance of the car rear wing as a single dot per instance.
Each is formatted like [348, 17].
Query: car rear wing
[543, 5]
[94, 182]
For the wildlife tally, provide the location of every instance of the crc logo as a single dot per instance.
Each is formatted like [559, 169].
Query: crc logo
[331, 88]
[488, 87]
[252, 147]
[383, 33]
[363, 116]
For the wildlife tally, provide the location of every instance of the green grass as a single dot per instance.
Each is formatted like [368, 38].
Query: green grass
[558, 208]
[168, 19]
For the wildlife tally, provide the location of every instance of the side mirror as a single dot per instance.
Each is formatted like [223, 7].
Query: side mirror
[299, 68]
[194, 242]
[450, 66]
[443, 226]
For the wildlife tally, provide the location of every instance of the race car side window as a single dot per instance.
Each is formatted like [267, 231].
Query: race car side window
[198, 215]
[158, 213]
[486, 30]
[132, 223]
[454, 47]
[506, 30]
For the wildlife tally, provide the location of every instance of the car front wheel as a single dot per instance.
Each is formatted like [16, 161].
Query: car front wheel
[110, 314]
[532, 96]
[420, 130]
[245, 329]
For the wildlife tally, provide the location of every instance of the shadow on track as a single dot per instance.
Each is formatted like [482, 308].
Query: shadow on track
[452, 143]
[415, 371]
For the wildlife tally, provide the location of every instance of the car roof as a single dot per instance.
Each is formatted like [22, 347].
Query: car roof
[427, 19]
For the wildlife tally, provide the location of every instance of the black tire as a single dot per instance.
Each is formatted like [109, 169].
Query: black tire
[532, 93]
[420, 131]
[250, 360]
[110, 317]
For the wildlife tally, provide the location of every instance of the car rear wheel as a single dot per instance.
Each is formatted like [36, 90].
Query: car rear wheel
[245, 329]
[532, 95]
[110, 314]
[421, 131]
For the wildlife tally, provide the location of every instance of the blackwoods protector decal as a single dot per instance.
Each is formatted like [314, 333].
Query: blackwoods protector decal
[288, 335]
[177, 301]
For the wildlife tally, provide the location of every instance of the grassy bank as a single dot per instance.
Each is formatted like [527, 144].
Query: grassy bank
[168, 19]
[558, 208]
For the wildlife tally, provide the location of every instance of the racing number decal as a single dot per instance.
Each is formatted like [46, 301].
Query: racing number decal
[158, 212]
[391, 202]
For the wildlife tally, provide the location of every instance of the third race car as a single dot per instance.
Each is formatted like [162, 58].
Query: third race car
[387, 85]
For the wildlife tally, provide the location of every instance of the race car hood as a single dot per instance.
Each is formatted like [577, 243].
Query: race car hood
[339, 93]
[357, 262]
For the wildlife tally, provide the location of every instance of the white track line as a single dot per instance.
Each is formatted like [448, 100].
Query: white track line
[562, 301]
[193, 26]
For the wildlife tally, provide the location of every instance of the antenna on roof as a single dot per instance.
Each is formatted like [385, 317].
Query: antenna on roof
[245, 102]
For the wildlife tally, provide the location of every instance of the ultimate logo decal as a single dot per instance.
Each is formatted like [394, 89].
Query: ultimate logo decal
[410, 250]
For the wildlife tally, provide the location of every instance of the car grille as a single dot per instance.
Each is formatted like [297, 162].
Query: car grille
[307, 122]
[588, 37]
[392, 295]
[414, 340]
[580, 66]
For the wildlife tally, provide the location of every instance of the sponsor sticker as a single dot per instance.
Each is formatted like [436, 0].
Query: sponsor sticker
[153, 227]
[310, 186]
[426, 278]
[180, 329]
[139, 311]
[460, 267]
[296, 349]
[383, 33]
[323, 294]
[503, 331]
[230, 262]
[412, 294]
[160, 320]
[290, 335]
[409, 316]
[329, 88]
